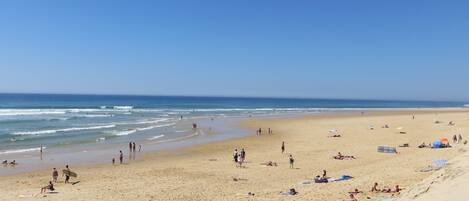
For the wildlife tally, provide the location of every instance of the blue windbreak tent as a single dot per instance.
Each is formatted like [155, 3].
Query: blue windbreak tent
[436, 144]
[386, 149]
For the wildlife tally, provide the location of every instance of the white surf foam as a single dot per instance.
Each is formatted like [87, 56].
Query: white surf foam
[24, 112]
[126, 132]
[125, 107]
[14, 151]
[62, 130]
[155, 137]
[132, 131]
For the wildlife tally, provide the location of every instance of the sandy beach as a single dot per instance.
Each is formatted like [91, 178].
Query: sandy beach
[207, 171]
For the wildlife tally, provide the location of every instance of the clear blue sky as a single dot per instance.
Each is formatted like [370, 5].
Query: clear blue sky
[324, 49]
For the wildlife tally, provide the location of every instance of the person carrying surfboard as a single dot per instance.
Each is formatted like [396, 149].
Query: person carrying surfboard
[66, 172]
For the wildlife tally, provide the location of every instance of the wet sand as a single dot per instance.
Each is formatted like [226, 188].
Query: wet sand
[206, 172]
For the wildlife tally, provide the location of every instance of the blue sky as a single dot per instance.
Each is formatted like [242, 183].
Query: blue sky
[321, 49]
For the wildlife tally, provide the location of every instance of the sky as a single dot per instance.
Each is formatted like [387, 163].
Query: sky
[400, 49]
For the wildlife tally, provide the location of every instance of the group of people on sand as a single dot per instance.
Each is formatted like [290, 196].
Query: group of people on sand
[259, 131]
[239, 157]
[132, 149]
[353, 194]
[457, 139]
[12, 163]
[67, 173]
[375, 189]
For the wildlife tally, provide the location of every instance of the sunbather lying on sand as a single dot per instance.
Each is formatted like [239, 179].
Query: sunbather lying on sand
[336, 135]
[291, 191]
[49, 187]
[351, 198]
[269, 163]
[342, 157]
[423, 145]
[356, 191]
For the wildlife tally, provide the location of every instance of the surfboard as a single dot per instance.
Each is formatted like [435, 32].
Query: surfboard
[69, 173]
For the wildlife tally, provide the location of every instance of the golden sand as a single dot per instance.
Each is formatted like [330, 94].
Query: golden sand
[206, 172]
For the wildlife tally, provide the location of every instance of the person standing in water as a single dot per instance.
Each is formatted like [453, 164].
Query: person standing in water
[130, 146]
[134, 147]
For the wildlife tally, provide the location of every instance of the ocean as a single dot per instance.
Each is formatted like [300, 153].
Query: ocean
[64, 124]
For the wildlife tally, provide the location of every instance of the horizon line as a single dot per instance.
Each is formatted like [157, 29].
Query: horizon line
[224, 96]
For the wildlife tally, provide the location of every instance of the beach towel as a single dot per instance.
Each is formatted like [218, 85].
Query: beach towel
[439, 163]
[341, 178]
[386, 149]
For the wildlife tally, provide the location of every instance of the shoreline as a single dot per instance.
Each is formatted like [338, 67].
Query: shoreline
[201, 154]
[234, 125]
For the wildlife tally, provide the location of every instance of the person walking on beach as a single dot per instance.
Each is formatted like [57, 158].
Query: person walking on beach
[139, 147]
[121, 157]
[291, 161]
[67, 174]
[455, 139]
[240, 160]
[113, 161]
[460, 138]
[55, 174]
[243, 155]
[283, 147]
[130, 146]
[235, 155]
[134, 147]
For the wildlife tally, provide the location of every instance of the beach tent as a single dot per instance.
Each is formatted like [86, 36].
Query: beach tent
[387, 149]
[444, 140]
[436, 144]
